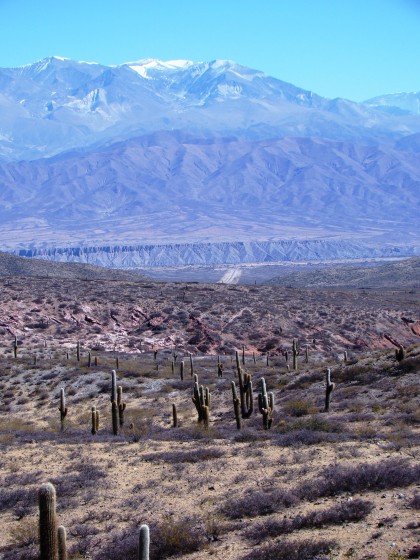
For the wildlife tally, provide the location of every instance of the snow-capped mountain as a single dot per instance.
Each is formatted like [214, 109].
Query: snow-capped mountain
[224, 160]
[58, 104]
[396, 103]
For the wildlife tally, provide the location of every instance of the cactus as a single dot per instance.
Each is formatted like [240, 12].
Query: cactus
[219, 369]
[345, 356]
[201, 399]
[89, 360]
[400, 354]
[191, 366]
[173, 366]
[95, 420]
[78, 351]
[295, 352]
[15, 347]
[144, 543]
[117, 363]
[238, 365]
[266, 405]
[236, 406]
[48, 534]
[115, 419]
[245, 394]
[306, 354]
[62, 409]
[121, 406]
[113, 385]
[62, 543]
[286, 357]
[328, 390]
[181, 370]
[243, 355]
[174, 416]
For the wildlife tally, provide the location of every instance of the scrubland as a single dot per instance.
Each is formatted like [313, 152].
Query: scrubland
[340, 484]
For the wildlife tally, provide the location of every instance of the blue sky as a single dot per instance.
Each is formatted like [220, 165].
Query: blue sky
[337, 48]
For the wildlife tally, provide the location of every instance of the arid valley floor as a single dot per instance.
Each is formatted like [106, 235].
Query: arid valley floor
[318, 485]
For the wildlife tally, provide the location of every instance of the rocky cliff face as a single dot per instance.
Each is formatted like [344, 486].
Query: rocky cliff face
[215, 253]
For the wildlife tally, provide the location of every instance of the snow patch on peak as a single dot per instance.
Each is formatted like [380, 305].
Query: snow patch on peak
[142, 67]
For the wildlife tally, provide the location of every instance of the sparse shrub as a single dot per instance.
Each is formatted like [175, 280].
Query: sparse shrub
[21, 497]
[24, 533]
[336, 479]
[314, 423]
[307, 437]
[167, 538]
[172, 537]
[299, 407]
[192, 456]
[293, 550]
[345, 512]
[259, 503]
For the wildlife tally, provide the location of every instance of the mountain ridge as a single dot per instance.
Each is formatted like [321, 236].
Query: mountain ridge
[58, 104]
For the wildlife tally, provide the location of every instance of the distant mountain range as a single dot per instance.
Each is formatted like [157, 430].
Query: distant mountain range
[58, 104]
[165, 153]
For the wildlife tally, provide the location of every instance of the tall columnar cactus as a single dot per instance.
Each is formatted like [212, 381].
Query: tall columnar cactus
[181, 370]
[117, 363]
[95, 420]
[219, 369]
[115, 419]
[238, 365]
[89, 363]
[329, 388]
[295, 352]
[191, 365]
[144, 543]
[245, 394]
[243, 355]
[63, 408]
[306, 354]
[201, 400]
[15, 347]
[78, 351]
[345, 355]
[266, 405]
[62, 543]
[113, 386]
[400, 354]
[236, 406]
[48, 535]
[121, 405]
[174, 416]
